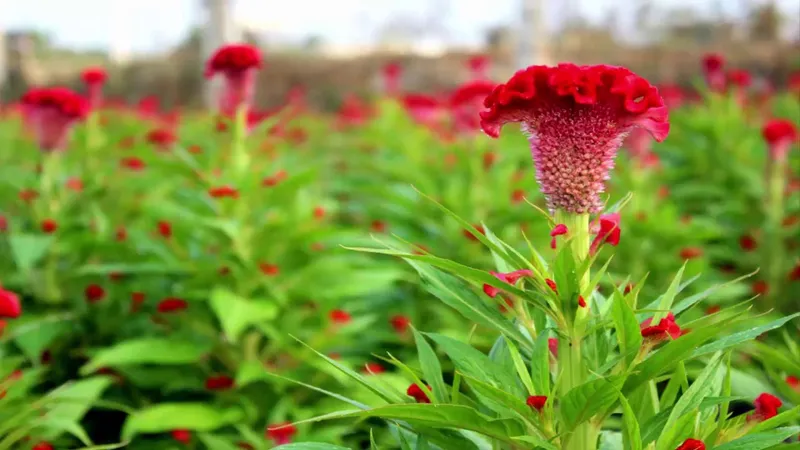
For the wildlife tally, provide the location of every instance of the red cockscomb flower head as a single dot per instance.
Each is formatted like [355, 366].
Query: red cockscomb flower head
[94, 293]
[418, 394]
[132, 163]
[137, 298]
[400, 323]
[748, 243]
[339, 316]
[740, 78]
[608, 232]
[373, 368]
[74, 184]
[552, 344]
[238, 63]
[665, 329]
[478, 66]
[466, 103]
[164, 229]
[780, 134]
[182, 436]
[692, 444]
[3, 224]
[49, 226]
[794, 274]
[714, 71]
[793, 382]
[94, 78]
[536, 402]
[219, 383]
[353, 111]
[52, 112]
[43, 446]
[223, 192]
[691, 253]
[281, 433]
[576, 118]
[392, 73]
[269, 269]
[424, 109]
[673, 95]
[581, 301]
[766, 407]
[510, 278]
[172, 304]
[9, 304]
[551, 284]
[161, 138]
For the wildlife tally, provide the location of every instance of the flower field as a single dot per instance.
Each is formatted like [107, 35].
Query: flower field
[570, 259]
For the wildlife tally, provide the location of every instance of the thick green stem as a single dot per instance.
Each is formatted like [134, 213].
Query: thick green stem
[571, 364]
[772, 254]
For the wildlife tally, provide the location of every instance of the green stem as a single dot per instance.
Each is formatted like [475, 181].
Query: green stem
[571, 364]
[773, 249]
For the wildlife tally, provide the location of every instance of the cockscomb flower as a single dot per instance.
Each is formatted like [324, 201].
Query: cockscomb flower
[793, 382]
[392, 73]
[353, 111]
[510, 278]
[576, 118]
[238, 63]
[673, 95]
[223, 192]
[172, 304]
[162, 138]
[281, 433]
[779, 134]
[3, 224]
[608, 232]
[793, 83]
[182, 436]
[739, 78]
[478, 66]
[466, 103]
[692, 444]
[269, 269]
[691, 253]
[536, 402]
[94, 293]
[714, 71]
[164, 229]
[9, 305]
[339, 316]
[552, 344]
[400, 323]
[137, 298]
[551, 284]
[766, 407]
[424, 109]
[665, 329]
[132, 163]
[52, 112]
[94, 78]
[49, 226]
[794, 274]
[274, 179]
[417, 393]
[219, 383]
[373, 368]
[43, 446]
[748, 243]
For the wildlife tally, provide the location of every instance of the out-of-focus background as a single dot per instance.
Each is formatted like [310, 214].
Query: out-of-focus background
[156, 46]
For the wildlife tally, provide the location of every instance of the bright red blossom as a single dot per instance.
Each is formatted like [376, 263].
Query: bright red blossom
[223, 192]
[339, 316]
[794, 274]
[3, 224]
[740, 78]
[510, 278]
[161, 138]
[766, 407]
[576, 118]
[400, 323]
[238, 63]
[424, 109]
[780, 135]
[281, 433]
[269, 269]
[665, 329]
[164, 229]
[43, 446]
[172, 304]
[49, 226]
[373, 368]
[713, 69]
[692, 444]
[219, 383]
[748, 243]
[551, 284]
[53, 112]
[94, 293]
[793, 382]
[182, 436]
[94, 75]
[9, 304]
[536, 402]
[417, 393]
[466, 103]
[558, 230]
[691, 253]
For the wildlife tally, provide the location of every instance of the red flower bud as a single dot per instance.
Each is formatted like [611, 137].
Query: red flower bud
[182, 436]
[373, 368]
[339, 317]
[9, 304]
[219, 383]
[418, 394]
[172, 304]
[692, 444]
[94, 293]
[510, 278]
[665, 329]
[400, 323]
[49, 226]
[281, 433]
[537, 402]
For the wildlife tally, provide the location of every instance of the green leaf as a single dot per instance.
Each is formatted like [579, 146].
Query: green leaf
[431, 368]
[146, 351]
[236, 313]
[216, 442]
[37, 335]
[72, 402]
[310, 446]
[742, 336]
[459, 296]
[631, 436]
[666, 300]
[540, 365]
[171, 416]
[28, 249]
[760, 441]
[537, 442]
[702, 386]
[780, 419]
[500, 401]
[475, 364]
[584, 401]
[629, 335]
[519, 365]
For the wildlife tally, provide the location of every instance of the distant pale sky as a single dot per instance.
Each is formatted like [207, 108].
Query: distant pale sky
[150, 25]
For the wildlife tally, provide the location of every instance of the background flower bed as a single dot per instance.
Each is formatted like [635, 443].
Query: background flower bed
[169, 289]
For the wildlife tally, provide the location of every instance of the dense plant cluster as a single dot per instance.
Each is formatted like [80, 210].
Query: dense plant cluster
[622, 274]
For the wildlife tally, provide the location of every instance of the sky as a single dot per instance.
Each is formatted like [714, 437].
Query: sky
[150, 25]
